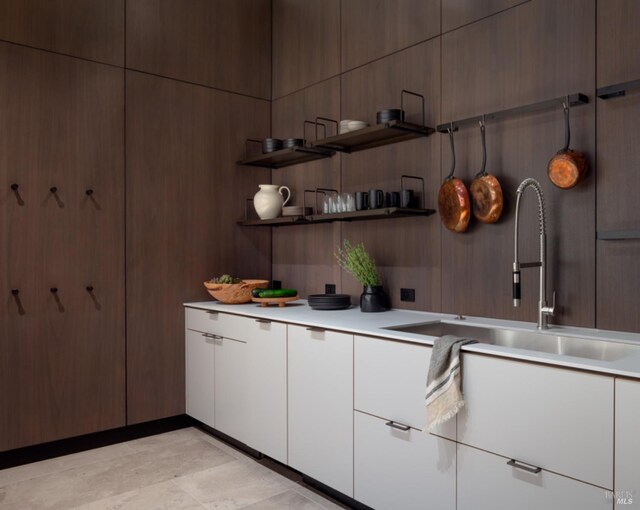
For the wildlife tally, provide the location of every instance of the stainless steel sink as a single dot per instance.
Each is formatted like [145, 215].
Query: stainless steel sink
[541, 342]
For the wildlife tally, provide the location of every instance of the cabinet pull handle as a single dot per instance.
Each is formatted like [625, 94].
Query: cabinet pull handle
[263, 321]
[316, 330]
[529, 469]
[398, 426]
[210, 335]
[210, 312]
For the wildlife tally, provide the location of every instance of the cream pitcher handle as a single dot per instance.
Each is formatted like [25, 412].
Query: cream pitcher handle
[288, 194]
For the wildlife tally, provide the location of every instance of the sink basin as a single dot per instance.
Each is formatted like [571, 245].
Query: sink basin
[532, 341]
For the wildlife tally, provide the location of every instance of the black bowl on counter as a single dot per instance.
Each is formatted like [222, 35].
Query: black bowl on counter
[271, 145]
[384, 116]
[329, 301]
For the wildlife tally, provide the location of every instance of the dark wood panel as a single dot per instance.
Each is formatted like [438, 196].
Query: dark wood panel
[618, 41]
[184, 196]
[517, 57]
[83, 28]
[303, 256]
[618, 277]
[618, 159]
[224, 44]
[456, 13]
[63, 360]
[373, 29]
[406, 250]
[306, 43]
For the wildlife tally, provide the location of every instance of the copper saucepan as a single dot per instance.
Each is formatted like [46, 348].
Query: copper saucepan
[453, 198]
[567, 167]
[486, 192]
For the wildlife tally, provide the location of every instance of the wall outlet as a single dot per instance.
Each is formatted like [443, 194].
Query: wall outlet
[407, 294]
[276, 284]
[329, 288]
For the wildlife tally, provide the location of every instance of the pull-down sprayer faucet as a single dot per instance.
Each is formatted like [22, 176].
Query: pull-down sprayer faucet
[543, 310]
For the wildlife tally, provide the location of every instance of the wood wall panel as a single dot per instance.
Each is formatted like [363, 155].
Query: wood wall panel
[83, 28]
[406, 250]
[306, 43]
[510, 64]
[373, 29]
[618, 277]
[456, 13]
[618, 41]
[303, 255]
[224, 44]
[184, 195]
[63, 358]
[517, 57]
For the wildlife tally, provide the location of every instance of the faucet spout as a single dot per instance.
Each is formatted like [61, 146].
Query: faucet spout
[544, 311]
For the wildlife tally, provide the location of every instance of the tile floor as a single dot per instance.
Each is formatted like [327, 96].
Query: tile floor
[183, 469]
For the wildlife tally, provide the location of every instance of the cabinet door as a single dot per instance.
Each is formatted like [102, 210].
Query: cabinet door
[402, 468]
[266, 385]
[230, 389]
[320, 393]
[554, 418]
[627, 440]
[487, 482]
[200, 380]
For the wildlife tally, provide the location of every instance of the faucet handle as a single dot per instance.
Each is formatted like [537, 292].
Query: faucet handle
[550, 310]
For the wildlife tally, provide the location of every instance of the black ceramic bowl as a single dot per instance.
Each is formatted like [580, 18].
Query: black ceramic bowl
[388, 115]
[271, 144]
[292, 142]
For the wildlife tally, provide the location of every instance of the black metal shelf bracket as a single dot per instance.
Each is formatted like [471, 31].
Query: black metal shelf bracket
[574, 100]
[617, 90]
[618, 235]
[404, 91]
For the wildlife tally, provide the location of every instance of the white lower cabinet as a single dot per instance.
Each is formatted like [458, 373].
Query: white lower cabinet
[397, 467]
[199, 355]
[321, 405]
[232, 407]
[627, 481]
[487, 482]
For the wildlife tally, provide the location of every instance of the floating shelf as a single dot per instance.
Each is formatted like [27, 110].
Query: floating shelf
[374, 136]
[574, 100]
[288, 157]
[618, 235]
[368, 214]
[619, 89]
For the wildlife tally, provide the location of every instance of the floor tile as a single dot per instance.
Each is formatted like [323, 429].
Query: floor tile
[290, 500]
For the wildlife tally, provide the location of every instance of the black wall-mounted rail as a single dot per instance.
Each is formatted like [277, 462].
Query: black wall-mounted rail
[618, 235]
[617, 90]
[574, 100]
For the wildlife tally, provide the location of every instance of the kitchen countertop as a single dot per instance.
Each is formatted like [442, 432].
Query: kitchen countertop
[352, 320]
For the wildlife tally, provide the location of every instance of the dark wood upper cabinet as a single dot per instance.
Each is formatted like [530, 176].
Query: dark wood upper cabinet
[224, 44]
[373, 29]
[306, 43]
[456, 13]
[618, 41]
[90, 29]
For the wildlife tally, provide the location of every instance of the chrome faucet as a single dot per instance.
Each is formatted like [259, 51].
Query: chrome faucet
[544, 311]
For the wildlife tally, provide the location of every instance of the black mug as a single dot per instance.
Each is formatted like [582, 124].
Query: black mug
[406, 200]
[376, 198]
[393, 199]
[362, 200]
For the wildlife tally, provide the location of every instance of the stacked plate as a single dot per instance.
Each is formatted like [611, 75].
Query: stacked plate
[271, 145]
[384, 116]
[288, 143]
[296, 210]
[329, 301]
[348, 125]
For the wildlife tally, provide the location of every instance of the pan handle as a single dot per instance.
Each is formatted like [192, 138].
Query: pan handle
[453, 153]
[567, 127]
[483, 170]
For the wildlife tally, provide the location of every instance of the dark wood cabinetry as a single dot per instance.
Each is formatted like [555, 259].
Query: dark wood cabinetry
[62, 352]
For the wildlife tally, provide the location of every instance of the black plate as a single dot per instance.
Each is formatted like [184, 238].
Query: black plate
[325, 306]
[329, 297]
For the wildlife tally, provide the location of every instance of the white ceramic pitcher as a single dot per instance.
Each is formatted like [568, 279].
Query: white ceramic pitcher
[269, 201]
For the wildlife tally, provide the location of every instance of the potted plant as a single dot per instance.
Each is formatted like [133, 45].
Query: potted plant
[359, 263]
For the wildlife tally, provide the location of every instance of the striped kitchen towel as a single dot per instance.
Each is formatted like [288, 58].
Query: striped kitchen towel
[444, 394]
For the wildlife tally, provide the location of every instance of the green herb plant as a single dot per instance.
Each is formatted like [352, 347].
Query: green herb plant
[358, 262]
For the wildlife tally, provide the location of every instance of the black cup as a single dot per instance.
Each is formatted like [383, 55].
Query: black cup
[362, 200]
[393, 199]
[376, 198]
[406, 198]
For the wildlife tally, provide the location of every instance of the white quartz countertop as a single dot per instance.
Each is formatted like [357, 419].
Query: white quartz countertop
[352, 320]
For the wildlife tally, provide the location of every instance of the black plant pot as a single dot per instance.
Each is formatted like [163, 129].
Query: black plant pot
[373, 299]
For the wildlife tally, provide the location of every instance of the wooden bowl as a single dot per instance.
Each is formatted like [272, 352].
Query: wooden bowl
[235, 293]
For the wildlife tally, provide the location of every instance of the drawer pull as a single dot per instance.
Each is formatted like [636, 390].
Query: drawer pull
[209, 335]
[398, 426]
[212, 312]
[316, 330]
[263, 321]
[529, 469]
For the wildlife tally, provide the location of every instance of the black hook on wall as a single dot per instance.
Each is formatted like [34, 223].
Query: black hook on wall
[89, 288]
[89, 192]
[14, 187]
[53, 189]
[16, 295]
[15, 292]
[54, 290]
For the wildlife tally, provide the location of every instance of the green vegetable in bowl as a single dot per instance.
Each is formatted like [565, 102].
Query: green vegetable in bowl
[225, 278]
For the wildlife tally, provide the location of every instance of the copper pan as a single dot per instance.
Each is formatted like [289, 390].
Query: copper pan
[453, 198]
[567, 167]
[486, 192]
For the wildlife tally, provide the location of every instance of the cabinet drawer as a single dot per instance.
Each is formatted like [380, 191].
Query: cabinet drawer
[216, 323]
[402, 469]
[627, 440]
[487, 482]
[390, 382]
[558, 419]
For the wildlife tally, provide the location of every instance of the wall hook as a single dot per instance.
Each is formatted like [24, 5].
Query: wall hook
[14, 187]
[89, 288]
[15, 292]
[54, 290]
[53, 189]
[89, 192]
